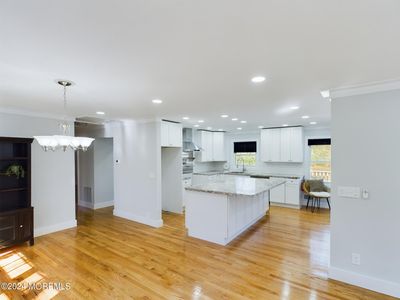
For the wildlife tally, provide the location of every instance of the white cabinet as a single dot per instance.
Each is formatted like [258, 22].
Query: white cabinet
[271, 144]
[287, 194]
[282, 144]
[292, 192]
[296, 144]
[171, 134]
[218, 146]
[213, 146]
[277, 194]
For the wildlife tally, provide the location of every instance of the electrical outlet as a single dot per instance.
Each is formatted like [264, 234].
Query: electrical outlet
[355, 259]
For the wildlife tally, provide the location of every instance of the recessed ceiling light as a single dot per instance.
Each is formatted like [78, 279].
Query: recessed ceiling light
[156, 101]
[234, 119]
[313, 123]
[305, 117]
[258, 79]
[243, 122]
[325, 94]
[239, 128]
[260, 127]
[100, 112]
[209, 128]
[220, 129]
[224, 116]
[196, 125]
[201, 121]
[185, 118]
[294, 107]
[285, 125]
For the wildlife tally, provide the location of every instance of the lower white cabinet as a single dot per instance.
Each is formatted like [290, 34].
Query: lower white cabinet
[287, 194]
[292, 192]
[277, 194]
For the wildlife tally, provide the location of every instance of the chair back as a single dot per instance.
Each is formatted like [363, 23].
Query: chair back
[305, 187]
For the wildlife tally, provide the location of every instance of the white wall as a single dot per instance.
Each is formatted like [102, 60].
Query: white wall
[300, 169]
[86, 177]
[96, 174]
[171, 171]
[137, 176]
[53, 177]
[103, 172]
[365, 153]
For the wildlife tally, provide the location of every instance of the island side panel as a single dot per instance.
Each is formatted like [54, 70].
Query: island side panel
[206, 216]
[244, 211]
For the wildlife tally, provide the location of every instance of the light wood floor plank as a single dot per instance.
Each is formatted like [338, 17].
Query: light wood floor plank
[284, 256]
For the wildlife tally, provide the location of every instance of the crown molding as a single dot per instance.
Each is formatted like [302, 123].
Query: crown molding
[366, 88]
[19, 112]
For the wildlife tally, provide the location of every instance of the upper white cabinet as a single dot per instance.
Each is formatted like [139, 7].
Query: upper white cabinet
[282, 144]
[271, 145]
[171, 134]
[212, 145]
[218, 146]
[296, 144]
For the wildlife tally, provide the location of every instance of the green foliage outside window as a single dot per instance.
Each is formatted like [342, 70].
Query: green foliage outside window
[321, 162]
[249, 159]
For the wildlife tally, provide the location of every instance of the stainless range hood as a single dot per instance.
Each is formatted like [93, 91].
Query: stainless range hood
[188, 144]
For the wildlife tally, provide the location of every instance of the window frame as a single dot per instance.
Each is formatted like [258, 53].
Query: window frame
[311, 162]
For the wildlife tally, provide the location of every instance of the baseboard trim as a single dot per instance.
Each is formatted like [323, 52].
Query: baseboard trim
[103, 204]
[285, 205]
[139, 219]
[54, 228]
[364, 281]
[85, 204]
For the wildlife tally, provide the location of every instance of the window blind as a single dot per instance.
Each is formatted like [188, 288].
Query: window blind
[243, 147]
[316, 142]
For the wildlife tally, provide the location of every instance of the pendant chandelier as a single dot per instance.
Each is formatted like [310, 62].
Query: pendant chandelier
[64, 140]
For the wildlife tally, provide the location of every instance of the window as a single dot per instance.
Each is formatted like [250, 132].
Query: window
[320, 167]
[245, 153]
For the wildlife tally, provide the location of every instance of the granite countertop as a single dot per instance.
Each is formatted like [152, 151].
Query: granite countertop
[237, 185]
[250, 173]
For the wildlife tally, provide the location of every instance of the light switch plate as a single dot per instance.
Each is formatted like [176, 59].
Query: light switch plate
[349, 192]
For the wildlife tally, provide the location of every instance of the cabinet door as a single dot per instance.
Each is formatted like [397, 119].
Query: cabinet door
[285, 144]
[206, 143]
[8, 229]
[25, 223]
[277, 194]
[218, 145]
[164, 134]
[265, 154]
[271, 145]
[174, 135]
[296, 144]
[275, 144]
[292, 196]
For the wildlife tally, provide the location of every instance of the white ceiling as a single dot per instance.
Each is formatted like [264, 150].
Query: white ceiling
[198, 56]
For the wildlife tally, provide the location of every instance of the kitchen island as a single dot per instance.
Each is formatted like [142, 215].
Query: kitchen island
[219, 210]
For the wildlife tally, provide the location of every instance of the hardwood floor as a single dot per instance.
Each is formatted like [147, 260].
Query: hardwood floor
[284, 256]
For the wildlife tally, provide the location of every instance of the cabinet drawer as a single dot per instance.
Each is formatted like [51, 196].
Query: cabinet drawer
[8, 229]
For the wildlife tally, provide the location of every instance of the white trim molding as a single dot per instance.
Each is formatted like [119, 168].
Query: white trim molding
[54, 228]
[27, 113]
[96, 205]
[103, 204]
[366, 88]
[364, 281]
[139, 219]
[86, 204]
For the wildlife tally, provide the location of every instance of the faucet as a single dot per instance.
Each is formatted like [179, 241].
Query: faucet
[237, 165]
